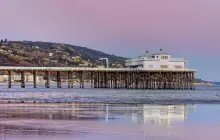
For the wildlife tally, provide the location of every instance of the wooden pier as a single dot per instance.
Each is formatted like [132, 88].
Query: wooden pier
[116, 78]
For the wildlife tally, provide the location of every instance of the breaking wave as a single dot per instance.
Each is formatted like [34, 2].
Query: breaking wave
[203, 94]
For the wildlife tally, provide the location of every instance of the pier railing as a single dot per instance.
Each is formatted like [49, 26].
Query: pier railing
[15, 68]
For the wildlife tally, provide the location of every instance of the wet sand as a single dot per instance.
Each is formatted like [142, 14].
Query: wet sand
[96, 121]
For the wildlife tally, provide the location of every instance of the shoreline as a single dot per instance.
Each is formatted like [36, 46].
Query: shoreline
[32, 102]
[66, 82]
[205, 84]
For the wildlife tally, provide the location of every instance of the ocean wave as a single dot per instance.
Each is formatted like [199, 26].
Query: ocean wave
[201, 95]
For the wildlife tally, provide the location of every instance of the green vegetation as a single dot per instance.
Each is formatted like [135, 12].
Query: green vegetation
[28, 53]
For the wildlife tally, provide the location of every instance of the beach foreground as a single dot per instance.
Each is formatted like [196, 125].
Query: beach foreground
[88, 121]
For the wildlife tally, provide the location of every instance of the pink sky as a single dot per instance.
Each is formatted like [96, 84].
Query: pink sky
[185, 28]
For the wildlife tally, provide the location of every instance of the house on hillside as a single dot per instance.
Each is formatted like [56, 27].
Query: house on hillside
[101, 66]
[76, 58]
[85, 64]
[160, 60]
[50, 54]
[10, 51]
[54, 61]
[35, 47]
[117, 65]
[58, 51]
[4, 42]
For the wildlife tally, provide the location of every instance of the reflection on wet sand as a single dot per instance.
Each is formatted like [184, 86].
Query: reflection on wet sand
[138, 113]
[89, 121]
[164, 114]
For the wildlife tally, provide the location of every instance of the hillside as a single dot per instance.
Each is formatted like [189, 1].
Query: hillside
[200, 81]
[28, 53]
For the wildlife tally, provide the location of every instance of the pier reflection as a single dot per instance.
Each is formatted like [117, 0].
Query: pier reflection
[127, 113]
[163, 114]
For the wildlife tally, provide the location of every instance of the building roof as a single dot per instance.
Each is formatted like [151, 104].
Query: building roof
[177, 60]
[161, 53]
[148, 55]
[145, 55]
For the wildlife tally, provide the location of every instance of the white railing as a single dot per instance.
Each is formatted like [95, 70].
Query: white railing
[141, 59]
[15, 68]
[151, 59]
[178, 59]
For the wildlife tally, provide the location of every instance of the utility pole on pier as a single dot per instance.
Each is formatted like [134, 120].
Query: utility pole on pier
[106, 60]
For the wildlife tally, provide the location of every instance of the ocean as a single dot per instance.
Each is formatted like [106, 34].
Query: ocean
[202, 94]
[106, 114]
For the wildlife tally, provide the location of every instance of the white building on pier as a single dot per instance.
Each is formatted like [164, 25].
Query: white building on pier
[160, 60]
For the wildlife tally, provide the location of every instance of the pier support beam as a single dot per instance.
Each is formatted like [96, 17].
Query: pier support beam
[193, 81]
[47, 79]
[92, 80]
[9, 79]
[116, 80]
[34, 79]
[70, 79]
[58, 80]
[22, 79]
[187, 81]
[81, 78]
[106, 79]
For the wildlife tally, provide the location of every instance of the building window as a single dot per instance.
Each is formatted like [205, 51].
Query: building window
[164, 57]
[150, 66]
[178, 66]
[163, 66]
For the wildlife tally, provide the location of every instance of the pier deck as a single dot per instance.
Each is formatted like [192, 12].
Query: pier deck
[118, 78]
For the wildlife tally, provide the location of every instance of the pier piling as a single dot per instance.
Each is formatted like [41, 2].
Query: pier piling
[34, 79]
[22, 79]
[9, 79]
[47, 79]
[58, 80]
[70, 79]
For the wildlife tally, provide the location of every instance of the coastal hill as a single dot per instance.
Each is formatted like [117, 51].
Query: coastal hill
[203, 82]
[28, 53]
